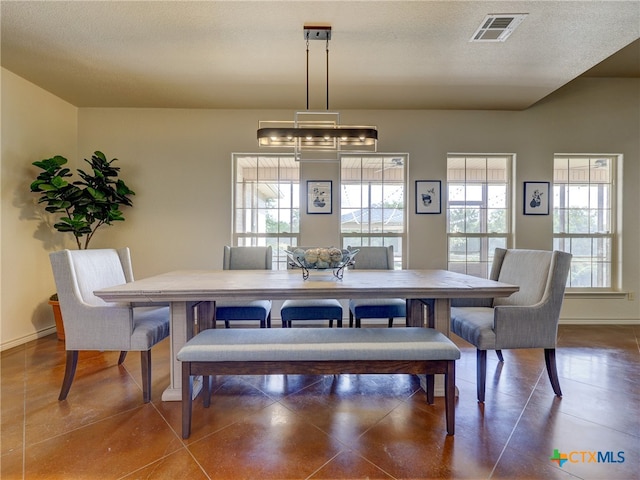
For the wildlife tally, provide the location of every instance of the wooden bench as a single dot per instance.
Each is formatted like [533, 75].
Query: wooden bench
[318, 351]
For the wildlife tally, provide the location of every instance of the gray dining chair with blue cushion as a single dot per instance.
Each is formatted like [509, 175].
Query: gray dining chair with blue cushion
[314, 310]
[245, 258]
[318, 309]
[90, 323]
[526, 319]
[375, 258]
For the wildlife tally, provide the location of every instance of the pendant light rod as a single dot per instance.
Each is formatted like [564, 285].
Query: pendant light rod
[307, 73]
[317, 131]
[318, 32]
[327, 74]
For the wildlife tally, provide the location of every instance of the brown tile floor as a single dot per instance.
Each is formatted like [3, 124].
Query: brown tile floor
[348, 426]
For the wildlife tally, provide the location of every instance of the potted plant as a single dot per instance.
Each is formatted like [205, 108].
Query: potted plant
[85, 204]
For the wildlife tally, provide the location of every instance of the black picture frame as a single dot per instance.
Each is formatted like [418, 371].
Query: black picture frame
[536, 198]
[428, 197]
[319, 197]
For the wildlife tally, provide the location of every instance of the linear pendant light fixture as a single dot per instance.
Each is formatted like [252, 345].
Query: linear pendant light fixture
[318, 131]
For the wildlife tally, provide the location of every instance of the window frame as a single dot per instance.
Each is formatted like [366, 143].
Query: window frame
[367, 237]
[614, 221]
[277, 240]
[482, 265]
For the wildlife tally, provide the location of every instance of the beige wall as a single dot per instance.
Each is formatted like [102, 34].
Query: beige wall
[35, 125]
[179, 164]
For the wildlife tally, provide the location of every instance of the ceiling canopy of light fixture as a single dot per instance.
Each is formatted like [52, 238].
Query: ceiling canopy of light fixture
[317, 131]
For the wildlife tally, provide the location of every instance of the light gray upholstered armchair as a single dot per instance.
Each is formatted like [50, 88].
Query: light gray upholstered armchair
[246, 258]
[526, 319]
[375, 258]
[316, 309]
[90, 323]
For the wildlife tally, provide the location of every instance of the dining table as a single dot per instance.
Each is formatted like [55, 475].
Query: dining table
[191, 295]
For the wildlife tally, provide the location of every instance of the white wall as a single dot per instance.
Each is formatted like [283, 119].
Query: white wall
[35, 125]
[179, 164]
[592, 115]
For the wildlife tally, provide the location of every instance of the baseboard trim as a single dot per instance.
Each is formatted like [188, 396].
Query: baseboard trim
[16, 342]
[599, 321]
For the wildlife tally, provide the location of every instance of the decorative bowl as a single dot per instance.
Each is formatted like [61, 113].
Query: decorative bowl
[321, 258]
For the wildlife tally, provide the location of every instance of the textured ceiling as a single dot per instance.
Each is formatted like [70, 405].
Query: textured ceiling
[383, 54]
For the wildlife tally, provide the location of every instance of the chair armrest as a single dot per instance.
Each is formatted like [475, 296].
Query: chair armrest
[106, 327]
[530, 326]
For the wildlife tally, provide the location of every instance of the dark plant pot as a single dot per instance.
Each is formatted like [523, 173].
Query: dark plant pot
[57, 314]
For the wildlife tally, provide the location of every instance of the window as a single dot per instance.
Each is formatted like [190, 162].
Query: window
[584, 216]
[372, 202]
[478, 210]
[267, 203]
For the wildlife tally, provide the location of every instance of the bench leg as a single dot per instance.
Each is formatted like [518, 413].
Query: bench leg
[450, 397]
[186, 399]
[206, 391]
[431, 387]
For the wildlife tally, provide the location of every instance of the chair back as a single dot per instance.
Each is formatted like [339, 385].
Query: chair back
[247, 258]
[529, 269]
[373, 258]
[542, 277]
[78, 273]
[91, 323]
[540, 274]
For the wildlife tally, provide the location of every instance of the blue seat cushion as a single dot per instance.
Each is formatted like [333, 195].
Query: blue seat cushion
[243, 310]
[378, 307]
[320, 309]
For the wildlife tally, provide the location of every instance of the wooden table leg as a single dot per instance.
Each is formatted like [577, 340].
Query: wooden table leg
[418, 314]
[440, 319]
[415, 313]
[182, 328]
[442, 315]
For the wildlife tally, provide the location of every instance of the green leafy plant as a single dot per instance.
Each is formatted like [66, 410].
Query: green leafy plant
[85, 204]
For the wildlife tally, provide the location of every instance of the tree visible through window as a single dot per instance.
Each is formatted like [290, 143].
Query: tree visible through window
[478, 210]
[584, 216]
[266, 203]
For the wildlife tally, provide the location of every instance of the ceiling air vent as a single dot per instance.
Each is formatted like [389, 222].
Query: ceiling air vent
[497, 27]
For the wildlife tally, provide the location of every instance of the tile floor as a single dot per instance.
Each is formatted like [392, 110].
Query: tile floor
[326, 427]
